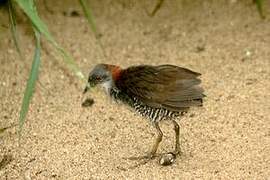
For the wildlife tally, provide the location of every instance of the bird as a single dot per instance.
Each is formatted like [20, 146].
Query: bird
[161, 92]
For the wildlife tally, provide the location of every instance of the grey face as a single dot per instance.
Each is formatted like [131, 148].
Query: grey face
[98, 75]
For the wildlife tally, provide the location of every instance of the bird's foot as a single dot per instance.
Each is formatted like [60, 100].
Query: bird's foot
[177, 153]
[165, 159]
[144, 157]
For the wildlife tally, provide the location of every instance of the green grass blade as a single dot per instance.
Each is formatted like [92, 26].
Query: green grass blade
[89, 16]
[259, 4]
[29, 8]
[12, 19]
[30, 87]
[71, 63]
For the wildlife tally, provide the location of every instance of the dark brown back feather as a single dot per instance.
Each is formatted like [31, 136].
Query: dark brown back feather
[166, 86]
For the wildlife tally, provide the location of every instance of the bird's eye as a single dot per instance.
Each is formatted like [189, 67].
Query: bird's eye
[98, 78]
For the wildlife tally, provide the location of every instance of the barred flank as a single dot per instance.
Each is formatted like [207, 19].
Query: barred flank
[154, 114]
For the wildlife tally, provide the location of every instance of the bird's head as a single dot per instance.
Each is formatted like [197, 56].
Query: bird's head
[103, 74]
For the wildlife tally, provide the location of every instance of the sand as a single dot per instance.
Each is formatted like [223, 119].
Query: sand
[229, 138]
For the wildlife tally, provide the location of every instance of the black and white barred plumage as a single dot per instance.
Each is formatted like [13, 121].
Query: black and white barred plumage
[154, 114]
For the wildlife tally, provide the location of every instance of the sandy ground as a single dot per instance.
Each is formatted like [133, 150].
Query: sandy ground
[229, 138]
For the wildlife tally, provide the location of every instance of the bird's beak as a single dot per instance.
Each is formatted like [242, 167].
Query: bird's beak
[90, 84]
[86, 88]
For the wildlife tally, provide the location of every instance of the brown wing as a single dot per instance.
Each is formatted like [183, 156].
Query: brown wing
[167, 86]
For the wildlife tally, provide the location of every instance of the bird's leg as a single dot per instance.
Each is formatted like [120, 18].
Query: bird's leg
[177, 137]
[157, 141]
[153, 151]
